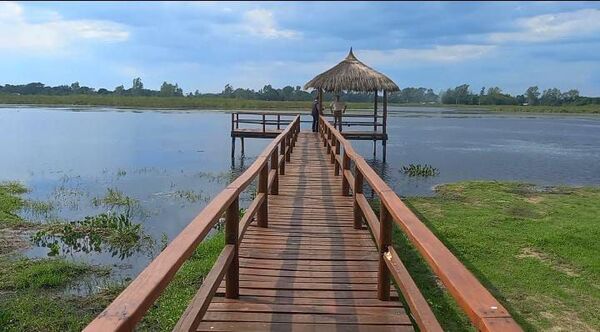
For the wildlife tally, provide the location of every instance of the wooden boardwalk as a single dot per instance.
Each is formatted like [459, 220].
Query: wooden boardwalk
[308, 254]
[310, 270]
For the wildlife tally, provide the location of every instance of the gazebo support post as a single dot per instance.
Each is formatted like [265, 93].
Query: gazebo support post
[320, 97]
[375, 123]
[384, 140]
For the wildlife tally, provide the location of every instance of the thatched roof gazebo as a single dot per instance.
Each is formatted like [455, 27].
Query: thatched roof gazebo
[353, 75]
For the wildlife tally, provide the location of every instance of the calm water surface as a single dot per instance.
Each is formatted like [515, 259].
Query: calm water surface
[174, 162]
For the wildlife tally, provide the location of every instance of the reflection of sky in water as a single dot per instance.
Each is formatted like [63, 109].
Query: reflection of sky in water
[71, 157]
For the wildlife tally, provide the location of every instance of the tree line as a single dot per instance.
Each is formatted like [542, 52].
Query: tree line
[461, 94]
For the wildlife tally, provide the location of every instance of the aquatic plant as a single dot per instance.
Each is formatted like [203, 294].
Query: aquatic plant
[121, 173]
[420, 170]
[115, 233]
[38, 208]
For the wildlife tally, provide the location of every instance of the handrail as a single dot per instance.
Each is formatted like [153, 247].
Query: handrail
[131, 305]
[485, 312]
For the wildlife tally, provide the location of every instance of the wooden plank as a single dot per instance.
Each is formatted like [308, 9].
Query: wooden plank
[236, 316]
[195, 311]
[371, 302]
[304, 327]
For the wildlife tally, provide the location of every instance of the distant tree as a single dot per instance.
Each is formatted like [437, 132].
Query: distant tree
[103, 91]
[551, 97]
[75, 87]
[532, 94]
[120, 90]
[137, 86]
[196, 93]
[570, 96]
[170, 90]
[227, 91]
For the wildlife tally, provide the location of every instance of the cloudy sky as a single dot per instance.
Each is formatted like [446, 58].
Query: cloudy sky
[207, 45]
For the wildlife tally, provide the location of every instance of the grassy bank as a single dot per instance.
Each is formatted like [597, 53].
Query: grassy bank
[161, 102]
[583, 109]
[217, 103]
[535, 249]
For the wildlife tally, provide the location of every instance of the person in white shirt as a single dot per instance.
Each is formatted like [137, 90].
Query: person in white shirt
[337, 108]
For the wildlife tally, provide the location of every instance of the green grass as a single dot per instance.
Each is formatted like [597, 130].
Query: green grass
[11, 202]
[165, 313]
[32, 296]
[161, 102]
[45, 273]
[535, 249]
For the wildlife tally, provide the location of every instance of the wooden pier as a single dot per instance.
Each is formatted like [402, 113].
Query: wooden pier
[373, 126]
[309, 253]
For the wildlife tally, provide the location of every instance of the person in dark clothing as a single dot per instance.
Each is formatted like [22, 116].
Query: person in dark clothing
[315, 115]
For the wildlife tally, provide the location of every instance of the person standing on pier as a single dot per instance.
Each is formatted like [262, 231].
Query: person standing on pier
[337, 108]
[315, 115]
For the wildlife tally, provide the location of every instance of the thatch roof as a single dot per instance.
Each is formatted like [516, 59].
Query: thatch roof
[351, 75]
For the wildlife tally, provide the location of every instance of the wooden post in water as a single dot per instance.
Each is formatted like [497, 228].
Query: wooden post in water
[384, 141]
[358, 189]
[278, 121]
[242, 143]
[385, 240]
[263, 123]
[273, 162]
[232, 222]
[262, 217]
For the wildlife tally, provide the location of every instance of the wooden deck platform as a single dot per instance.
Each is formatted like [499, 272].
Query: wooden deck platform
[310, 270]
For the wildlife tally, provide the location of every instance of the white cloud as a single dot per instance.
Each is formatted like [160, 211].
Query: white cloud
[548, 27]
[441, 54]
[261, 22]
[54, 34]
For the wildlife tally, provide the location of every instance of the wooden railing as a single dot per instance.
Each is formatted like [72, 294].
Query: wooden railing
[277, 120]
[131, 305]
[485, 312]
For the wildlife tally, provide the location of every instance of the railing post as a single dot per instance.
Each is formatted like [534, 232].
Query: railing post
[324, 135]
[278, 121]
[282, 152]
[262, 217]
[237, 120]
[232, 222]
[274, 162]
[385, 240]
[335, 160]
[289, 147]
[358, 189]
[345, 167]
[332, 149]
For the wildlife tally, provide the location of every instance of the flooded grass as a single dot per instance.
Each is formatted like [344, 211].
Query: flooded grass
[33, 296]
[114, 233]
[420, 170]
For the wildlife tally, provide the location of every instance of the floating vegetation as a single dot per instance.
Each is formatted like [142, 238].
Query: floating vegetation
[114, 197]
[38, 208]
[189, 195]
[420, 170]
[115, 233]
[13, 187]
[221, 177]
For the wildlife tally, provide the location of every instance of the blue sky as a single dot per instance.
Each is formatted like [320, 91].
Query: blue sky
[207, 45]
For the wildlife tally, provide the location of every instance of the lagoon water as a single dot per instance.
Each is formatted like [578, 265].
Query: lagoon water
[173, 162]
